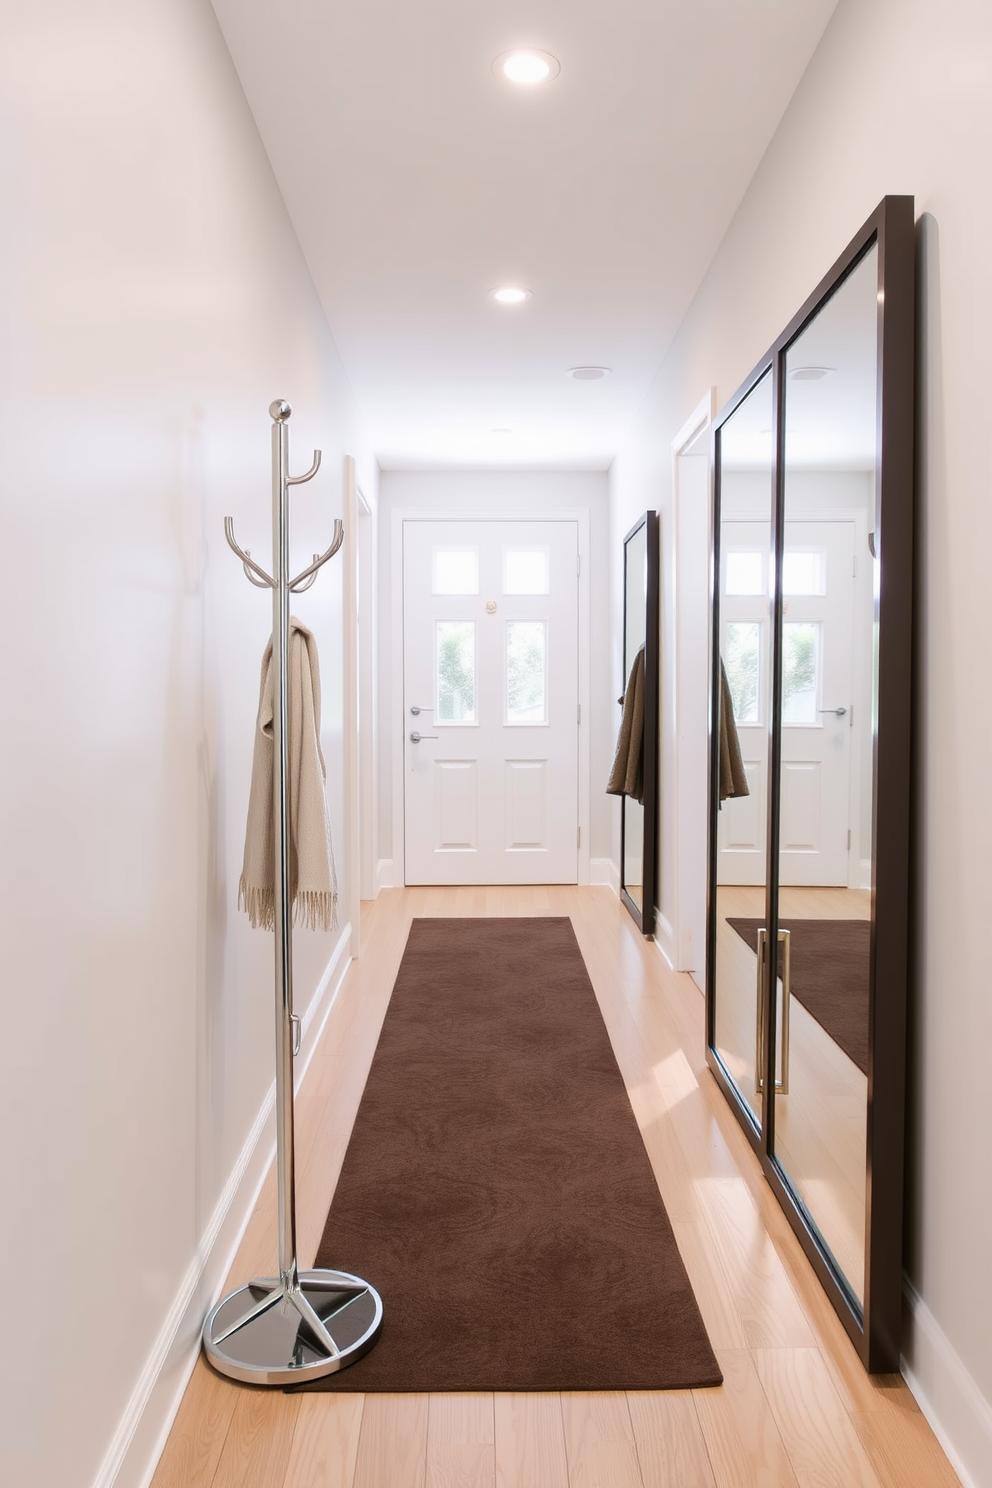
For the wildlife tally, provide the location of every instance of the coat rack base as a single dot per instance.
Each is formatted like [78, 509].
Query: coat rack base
[282, 1331]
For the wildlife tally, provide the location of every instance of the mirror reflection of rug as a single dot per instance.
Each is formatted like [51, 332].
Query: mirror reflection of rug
[829, 968]
[496, 1188]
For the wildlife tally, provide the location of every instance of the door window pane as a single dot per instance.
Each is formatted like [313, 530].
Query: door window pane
[525, 571]
[455, 671]
[800, 671]
[745, 573]
[742, 662]
[456, 571]
[526, 671]
[802, 573]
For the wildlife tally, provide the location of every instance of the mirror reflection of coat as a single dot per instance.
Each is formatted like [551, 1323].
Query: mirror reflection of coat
[733, 780]
[627, 775]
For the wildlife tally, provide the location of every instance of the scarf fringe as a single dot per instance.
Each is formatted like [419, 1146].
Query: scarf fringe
[312, 909]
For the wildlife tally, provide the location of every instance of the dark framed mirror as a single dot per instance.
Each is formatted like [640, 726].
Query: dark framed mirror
[809, 768]
[635, 769]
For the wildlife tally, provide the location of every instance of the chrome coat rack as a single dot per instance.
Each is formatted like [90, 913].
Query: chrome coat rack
[299, 1325]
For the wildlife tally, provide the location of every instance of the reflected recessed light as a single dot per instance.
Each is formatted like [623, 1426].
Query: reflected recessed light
[588, 374]
[810, 374]
[526, 65]
[501, 431]
[510, 294]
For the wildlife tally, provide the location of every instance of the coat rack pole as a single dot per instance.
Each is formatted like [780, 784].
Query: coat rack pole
[285, 1145]
[299, 1325]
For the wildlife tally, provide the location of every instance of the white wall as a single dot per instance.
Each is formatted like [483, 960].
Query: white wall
[898, 98]
[154, 302]
[485, 491]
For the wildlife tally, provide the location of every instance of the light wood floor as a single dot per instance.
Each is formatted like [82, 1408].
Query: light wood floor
[796, 1409]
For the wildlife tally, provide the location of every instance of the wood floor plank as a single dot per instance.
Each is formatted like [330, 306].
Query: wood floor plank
[258, 1444]
[199, 1431]
[392, 1445]
[743, 1442]
[903, 1450]
[599, 1441]
[530, 1442]
[819, 1436]
[711, 1286]
[325, 1442]
[770, 1313]
[461, 1433]
[669, 1440]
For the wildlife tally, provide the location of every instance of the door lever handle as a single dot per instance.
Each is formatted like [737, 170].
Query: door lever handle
[837, 712]
[416, 711]
[415, 738]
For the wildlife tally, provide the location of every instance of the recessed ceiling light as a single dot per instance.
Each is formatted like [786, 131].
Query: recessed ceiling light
[501, 431]
[510, 294]
[526, 65]
[810, 374]
[588, 374]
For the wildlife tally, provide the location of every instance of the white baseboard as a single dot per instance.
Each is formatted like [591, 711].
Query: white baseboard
[664, 937]
[604, 872]
[133, 1454]
[384, 874]
[864, 873]
[959, 1414]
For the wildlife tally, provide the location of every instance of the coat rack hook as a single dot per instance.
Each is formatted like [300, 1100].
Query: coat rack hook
[297, 585]
[251, 568]
[299, 480]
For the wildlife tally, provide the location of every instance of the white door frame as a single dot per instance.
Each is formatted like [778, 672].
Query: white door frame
[397, 734]
[360, 731]
[688, 752]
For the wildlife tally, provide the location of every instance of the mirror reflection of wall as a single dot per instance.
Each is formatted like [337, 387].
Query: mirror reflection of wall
[825, 815]
[635, 768]
[746, 470]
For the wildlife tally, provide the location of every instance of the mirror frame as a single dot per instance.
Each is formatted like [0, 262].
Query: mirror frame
[644, 914]
[874, 1323]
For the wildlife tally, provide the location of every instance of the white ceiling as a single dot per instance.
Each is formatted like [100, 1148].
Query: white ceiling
[417, 181]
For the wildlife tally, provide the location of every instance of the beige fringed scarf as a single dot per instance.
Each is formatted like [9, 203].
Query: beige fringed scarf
[312, 881]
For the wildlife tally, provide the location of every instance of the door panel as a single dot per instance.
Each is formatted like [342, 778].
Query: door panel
[491, 661]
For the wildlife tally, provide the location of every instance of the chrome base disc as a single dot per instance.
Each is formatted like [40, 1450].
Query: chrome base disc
[274, 1333]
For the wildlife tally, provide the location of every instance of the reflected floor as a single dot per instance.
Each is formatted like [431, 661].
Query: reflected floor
[821, 1136]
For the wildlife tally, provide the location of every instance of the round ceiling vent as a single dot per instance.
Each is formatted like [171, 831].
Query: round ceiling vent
[810, 374]
[588, 374]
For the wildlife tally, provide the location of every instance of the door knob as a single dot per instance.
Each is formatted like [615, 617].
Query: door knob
[415, 738]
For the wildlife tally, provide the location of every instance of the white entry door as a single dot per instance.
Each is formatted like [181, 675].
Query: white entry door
[490, 710]
[817, 699]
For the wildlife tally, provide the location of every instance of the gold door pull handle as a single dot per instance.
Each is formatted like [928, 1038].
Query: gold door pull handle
[781, 1086]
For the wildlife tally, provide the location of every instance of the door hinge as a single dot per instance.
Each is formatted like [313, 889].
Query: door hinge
[578, 836]
[578, 564]
[578, 712]
[849, 839]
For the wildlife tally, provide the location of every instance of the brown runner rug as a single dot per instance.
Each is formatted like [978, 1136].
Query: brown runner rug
[496, 1190]
[829, 964]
